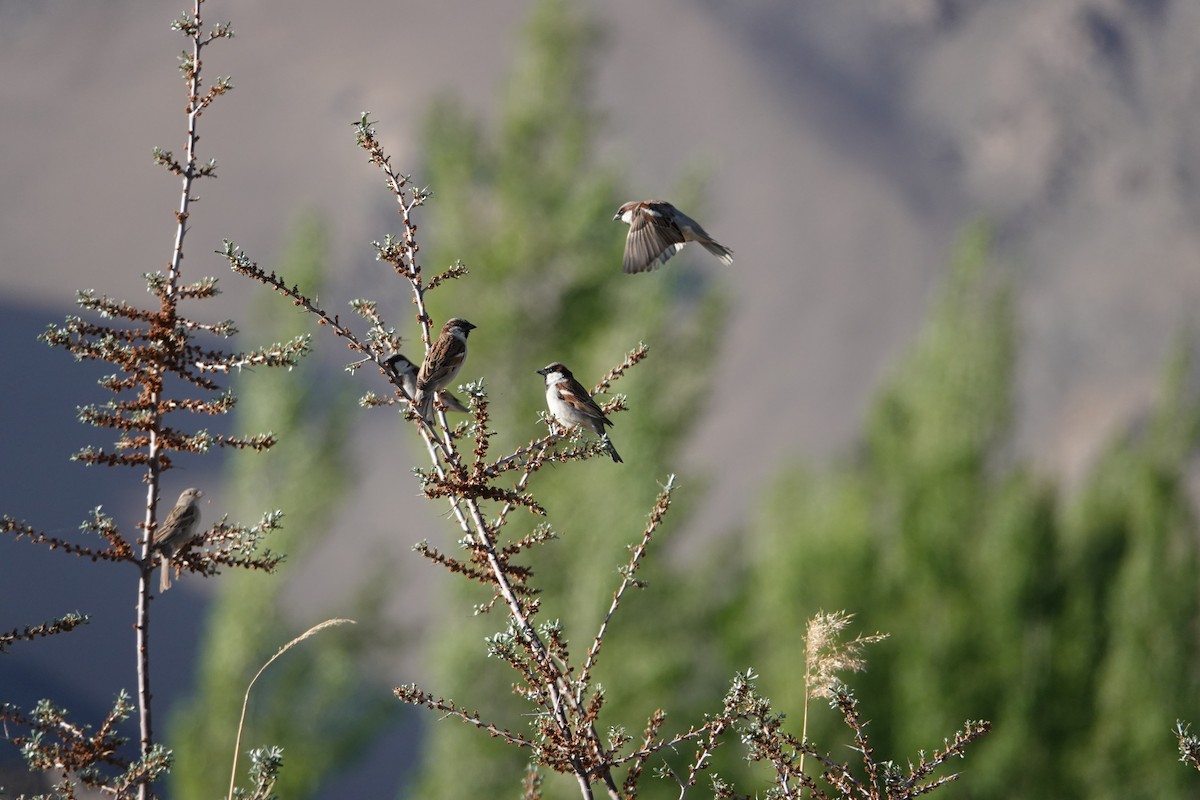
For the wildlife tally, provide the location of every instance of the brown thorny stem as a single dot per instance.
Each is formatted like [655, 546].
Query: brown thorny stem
[466, 510]
[472, 521]
[563, 701]
[170, 299]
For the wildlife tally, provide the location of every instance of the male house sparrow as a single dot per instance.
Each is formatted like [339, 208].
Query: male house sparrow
[659, 230]
[406, 371]
[177, 530]
[571, 405]
[442, 363]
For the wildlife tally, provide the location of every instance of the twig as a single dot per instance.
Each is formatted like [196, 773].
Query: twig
[656, 517]
[237, 745]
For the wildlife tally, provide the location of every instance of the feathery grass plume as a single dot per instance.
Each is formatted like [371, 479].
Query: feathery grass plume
[826, 654]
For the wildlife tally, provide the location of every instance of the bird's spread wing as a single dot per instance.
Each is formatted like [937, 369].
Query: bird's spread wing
[653, 238]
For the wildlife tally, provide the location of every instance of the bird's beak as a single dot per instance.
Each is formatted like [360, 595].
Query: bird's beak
[616, 216]
[542, 372]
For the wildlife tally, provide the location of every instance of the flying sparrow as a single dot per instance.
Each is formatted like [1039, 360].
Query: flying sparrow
[406, 372]
[177, 531]
[442, 363]
[571, 405]
[659, 230]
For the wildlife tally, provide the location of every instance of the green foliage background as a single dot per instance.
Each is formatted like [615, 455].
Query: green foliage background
[311, 702]
[1069, 619]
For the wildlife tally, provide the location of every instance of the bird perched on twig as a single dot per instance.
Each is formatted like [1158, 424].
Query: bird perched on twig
[571, 404]
[406, 372]
[659, 230]
[177, 531]
[442, 363]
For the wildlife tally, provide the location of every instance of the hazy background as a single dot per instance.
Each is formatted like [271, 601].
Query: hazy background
[844, 146]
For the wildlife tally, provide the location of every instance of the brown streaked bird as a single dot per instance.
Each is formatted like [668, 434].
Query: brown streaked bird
[571, 404]
[442, 363]
[406, 372]
[177, 531]
[659, 230]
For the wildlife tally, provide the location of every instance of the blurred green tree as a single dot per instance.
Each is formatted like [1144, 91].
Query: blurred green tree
[1068, 619]
[317, 686]
[1130, 631]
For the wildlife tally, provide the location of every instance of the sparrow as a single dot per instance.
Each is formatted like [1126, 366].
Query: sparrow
[406, 372]
[571, 404]
[177, 530]
[442, 363]
[659, 230]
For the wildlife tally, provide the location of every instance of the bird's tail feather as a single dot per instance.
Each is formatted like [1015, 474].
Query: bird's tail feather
[424, 403]
[612, 451]
[719, 250]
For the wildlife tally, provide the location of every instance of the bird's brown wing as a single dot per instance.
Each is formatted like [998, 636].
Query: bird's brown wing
[179, 520]
[653, 238]
[442, 363]
[574, 395]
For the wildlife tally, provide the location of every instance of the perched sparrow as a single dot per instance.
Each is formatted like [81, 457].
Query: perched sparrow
[659, 230]
[571, 405]
[406, 371]
[177, 531]
[442, 363]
